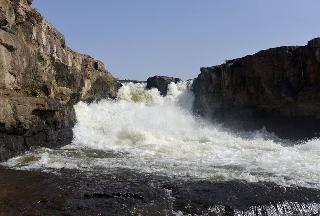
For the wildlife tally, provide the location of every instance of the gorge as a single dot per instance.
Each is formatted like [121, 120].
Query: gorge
[76, 141]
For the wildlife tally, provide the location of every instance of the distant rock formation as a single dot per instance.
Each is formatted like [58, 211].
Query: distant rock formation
[131, 81]
[40, 81]
[161, 83]
[278, 88]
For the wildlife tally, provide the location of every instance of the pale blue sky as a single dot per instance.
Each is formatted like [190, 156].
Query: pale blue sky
[140, 38]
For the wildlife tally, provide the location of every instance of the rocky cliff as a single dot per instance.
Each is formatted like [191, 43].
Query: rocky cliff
[278, 88]
[40, 81]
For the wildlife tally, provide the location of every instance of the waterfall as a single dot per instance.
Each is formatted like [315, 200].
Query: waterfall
[143, 131]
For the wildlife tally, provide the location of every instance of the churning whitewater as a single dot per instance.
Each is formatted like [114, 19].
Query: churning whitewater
[146, 132]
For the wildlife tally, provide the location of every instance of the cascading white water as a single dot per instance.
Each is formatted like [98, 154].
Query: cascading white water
[144, 131]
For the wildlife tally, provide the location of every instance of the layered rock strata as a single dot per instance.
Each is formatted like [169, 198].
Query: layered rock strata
[40, 81]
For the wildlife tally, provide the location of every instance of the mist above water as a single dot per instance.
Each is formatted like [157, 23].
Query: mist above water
[146, 132]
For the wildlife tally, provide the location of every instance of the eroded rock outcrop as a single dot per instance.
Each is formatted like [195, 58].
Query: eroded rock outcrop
[277, 88]
[161, 83]
[40, 81]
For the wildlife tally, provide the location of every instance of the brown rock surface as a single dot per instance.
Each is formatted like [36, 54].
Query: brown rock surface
[40, 80]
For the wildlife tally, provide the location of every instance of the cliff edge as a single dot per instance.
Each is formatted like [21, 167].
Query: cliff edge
[40, 81]
[277, 88]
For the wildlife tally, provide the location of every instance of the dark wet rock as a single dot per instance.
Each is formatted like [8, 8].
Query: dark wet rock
[161, 83]
[124, 192]
[278, 88]
[40, 80]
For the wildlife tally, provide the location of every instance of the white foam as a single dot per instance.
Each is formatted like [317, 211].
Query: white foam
[155, 134]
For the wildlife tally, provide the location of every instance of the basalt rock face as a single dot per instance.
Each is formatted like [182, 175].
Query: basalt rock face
[161, 83]
[277, 88]
[40, 81]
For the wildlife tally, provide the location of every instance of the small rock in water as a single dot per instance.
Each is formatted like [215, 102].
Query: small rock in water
[161, 83]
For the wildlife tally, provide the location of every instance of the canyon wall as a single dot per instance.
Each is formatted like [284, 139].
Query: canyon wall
[41, 79]
[278, 88]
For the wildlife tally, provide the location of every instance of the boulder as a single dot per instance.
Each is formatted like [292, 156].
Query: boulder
[277, 88]
[40, 81]
[161, 83]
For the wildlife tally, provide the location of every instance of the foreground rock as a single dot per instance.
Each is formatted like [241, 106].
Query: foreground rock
[124, 192]
[278, 88]
[161, 83]
[40, 81]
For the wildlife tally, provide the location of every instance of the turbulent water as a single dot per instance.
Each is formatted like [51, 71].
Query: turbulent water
[146, 132]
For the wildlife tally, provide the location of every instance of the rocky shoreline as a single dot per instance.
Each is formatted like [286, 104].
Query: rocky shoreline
[125, 192]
